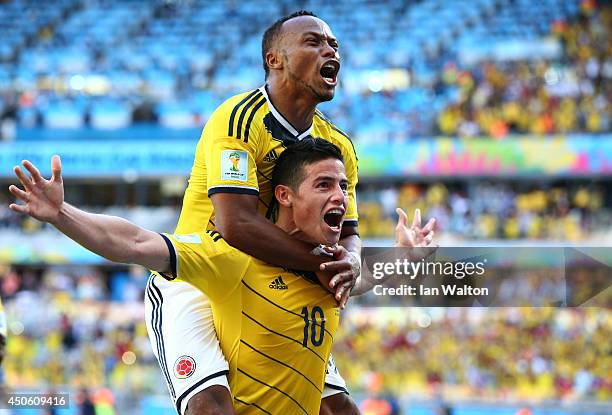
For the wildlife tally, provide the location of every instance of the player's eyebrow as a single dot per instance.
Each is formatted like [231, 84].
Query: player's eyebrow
[324, 177]
[319, 36]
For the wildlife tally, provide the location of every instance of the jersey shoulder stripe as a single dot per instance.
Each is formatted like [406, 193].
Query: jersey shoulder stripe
[214, 235]
[230, 131]
[248, 105]
[253, 112]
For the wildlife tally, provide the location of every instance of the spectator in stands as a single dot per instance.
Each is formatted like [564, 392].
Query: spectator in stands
[541, 97]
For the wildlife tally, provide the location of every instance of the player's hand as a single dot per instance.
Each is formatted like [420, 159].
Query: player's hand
[42, 198]
[415, 236]
[344, 269]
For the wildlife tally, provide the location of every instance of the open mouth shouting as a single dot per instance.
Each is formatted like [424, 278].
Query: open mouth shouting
[334, 218]
[329, 72]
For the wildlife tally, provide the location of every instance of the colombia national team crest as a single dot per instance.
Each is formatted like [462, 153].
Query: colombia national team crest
[184, 367]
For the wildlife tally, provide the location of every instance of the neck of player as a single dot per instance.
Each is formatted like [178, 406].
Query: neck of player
[285, 222]
[297, 107]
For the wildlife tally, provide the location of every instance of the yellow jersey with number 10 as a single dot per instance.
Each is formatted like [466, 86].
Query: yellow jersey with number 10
[276, 328]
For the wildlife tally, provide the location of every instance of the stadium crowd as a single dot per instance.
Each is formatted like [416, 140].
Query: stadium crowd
[78, 328]
[540, 97]
[563, 212]
[520, 353]
[50, 80]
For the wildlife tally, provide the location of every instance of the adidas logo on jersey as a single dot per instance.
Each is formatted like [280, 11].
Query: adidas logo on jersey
[278, 284]
[271, 156]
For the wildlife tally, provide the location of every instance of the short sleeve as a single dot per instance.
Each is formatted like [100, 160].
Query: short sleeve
[207, 262]
[230, 148]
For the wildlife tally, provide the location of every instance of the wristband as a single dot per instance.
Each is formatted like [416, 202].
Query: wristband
[320, 251]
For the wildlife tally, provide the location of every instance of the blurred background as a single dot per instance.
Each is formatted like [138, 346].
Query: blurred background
[494, 116]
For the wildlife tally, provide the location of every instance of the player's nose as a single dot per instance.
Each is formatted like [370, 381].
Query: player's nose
[329, 52]
[337, 194]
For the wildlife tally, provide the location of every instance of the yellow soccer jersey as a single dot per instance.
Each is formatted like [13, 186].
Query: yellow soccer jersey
[237, 153]
[276, 328]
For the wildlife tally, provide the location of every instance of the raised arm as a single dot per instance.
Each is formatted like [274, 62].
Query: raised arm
[414, 236]
[112, 237]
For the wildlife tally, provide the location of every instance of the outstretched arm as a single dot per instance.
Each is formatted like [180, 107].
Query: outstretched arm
[112, 237]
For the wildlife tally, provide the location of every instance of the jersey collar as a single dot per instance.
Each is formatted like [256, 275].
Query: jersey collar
[279, 117]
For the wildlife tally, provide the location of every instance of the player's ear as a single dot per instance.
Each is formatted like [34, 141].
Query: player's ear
[284, 195]
[274, 60]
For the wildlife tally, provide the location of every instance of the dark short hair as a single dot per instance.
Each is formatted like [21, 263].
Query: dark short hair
[272, 32]
[289, 170]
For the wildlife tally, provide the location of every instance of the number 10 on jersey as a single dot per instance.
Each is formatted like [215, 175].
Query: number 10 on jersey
[314, 326]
